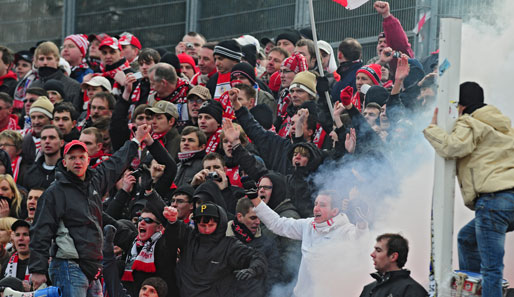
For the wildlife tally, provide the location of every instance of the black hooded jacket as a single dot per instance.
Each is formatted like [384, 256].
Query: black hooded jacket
[78, 204]
[207, 262]
[393, 283]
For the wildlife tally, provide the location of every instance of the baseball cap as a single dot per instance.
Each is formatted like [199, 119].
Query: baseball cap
[206, 209]
[164, 107]
[98, 81]
[74, 143]
[200, 91]
[99, 37]
[110, 42]
[23, 55]
[19, 223]
[129, 39]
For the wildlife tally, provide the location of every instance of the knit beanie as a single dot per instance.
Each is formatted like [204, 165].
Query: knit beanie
[245, 70]
[172, 59]
[377, 94]
[43, 105]
[158, 284]
[263, 114]
[275, 82]
[250, 54]
[185, 58]
[156, 206]
[230, 49]
[212, 108]
[296, 63]
[185, 189]
[292, 36]
[55, 85]
[306, 81]
[373, 71]
[80, 41]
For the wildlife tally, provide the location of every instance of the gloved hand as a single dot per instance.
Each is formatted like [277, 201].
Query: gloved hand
[321, 85]
[245, 274]
[346, 95]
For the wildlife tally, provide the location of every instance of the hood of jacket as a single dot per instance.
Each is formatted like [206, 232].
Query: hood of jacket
[492, 116]
[220, 231]
[210, 192]
[279, 192]
[316, 155]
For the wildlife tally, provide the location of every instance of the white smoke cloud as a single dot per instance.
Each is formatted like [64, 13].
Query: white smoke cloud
[487, 58]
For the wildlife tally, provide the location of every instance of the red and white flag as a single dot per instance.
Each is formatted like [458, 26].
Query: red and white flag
[351, 4]
[422, 20]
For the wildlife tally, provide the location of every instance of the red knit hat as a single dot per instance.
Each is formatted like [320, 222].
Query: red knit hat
[275, 82]
[373, 71]
[185, 58]
[296, 63]
[80, 41]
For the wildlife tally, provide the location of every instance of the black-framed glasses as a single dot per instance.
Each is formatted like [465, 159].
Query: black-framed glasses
[265, 187]
[147, 220]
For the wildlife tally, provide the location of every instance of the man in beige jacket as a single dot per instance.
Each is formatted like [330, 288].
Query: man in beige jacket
[482, 141]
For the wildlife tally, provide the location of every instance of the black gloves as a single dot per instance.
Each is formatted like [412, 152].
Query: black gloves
[321, 85]
[245, 274]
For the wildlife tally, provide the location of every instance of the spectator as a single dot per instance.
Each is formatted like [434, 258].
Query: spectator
[192, 151]
[67, 197]
[187, 66]
[65, 118]
[182, 200]
[7, 77]
[11, 142]
[32, 197]
[288, 70]
[226, 55]
[23, 63]
[209, 121]
[305, 47]
[153, 287]
[147, 59]
[370, 75]
[349, 54]
[42, 172]
[40, 116]
[328, 223]
[32, 94]
[12, 204]
[8, 121]
[275, 58]
[206, 64]
[240, 269]
[5, 238]
[164, 116]
[191, 44]
[130, 48]
[17, 265]
[485, 181]
[94, 54]
[91, 87]
[168, 87]
[47, 62]
[93, 139]
[246, 228]
[55, 91]
[287, 40]
[389, 256]
[195, 99]
[25, 67]
[113, 63]
[73, 50]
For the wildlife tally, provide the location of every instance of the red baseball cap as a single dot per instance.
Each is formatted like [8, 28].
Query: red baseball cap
[130, 39]
[74, 143]
[110, 42]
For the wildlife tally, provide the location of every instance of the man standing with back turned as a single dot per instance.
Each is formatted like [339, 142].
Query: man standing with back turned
[70, 212]
[482, 141]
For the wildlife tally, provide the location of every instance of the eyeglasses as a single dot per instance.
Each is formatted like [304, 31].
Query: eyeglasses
[147, 220]
[265, 187]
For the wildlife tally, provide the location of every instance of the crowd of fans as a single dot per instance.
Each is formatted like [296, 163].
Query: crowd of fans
[189, 173]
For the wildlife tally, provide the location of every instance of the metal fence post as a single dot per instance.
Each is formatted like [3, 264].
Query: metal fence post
[433, 41]
[68, 18]
[192, 11]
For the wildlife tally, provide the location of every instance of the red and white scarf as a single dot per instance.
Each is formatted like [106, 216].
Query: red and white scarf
[228, 111]
[286, 127]
[12, 124]
[15, 165]
[142, 261]
[184, 156]
[234, 177]
[319, 136]
[283, 103]
[213, 142]
[12, 267]
[159, 137]
[37, 142]
[116, 88]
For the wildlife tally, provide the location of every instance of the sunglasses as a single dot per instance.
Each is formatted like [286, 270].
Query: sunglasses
[265, 187]
[147, 220]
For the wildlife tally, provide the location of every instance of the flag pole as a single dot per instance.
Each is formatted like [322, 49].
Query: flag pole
[318, 58]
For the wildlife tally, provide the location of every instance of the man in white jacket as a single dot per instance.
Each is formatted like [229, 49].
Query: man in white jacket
[328, 223]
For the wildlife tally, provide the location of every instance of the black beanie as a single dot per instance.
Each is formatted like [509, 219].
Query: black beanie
[185, 189]
[158, 284]
[245, 70]
[172, 59]
[212, 108]
[156, 205]
[378, 95]
[471, 95]
[250, 54]
[55, 85]
[230, 49]
[290, 35]
[263, 114]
